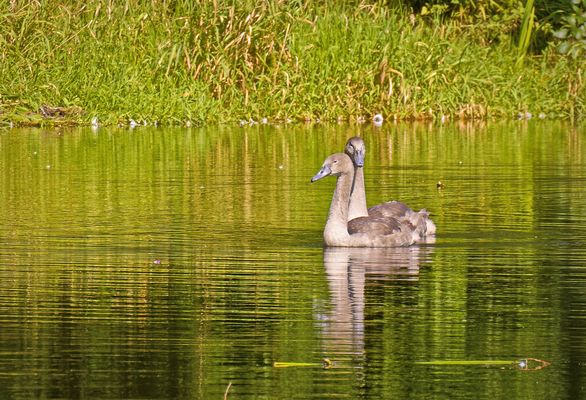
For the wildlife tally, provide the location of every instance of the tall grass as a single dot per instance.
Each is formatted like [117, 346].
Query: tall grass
[526, 31]
[221, 61]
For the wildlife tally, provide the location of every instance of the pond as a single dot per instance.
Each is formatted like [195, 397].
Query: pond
[188, 264]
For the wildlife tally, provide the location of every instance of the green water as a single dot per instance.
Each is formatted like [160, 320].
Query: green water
[173, 263]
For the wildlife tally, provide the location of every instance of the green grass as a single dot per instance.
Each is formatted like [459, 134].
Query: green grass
[218, 62]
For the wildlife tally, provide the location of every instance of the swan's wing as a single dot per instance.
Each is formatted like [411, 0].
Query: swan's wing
[400, 211]
[375, 226]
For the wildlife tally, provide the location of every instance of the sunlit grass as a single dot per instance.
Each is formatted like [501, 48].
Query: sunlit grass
[208, 62]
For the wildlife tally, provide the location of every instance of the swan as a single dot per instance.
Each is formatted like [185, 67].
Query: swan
[356, 150]
[381, 232]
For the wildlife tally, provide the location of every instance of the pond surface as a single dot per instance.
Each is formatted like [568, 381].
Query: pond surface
[188, 264]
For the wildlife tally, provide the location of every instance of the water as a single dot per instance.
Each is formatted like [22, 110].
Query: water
[183, 264]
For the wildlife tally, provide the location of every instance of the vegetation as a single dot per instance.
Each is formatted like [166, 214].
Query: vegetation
[572, 33]
[196, 62]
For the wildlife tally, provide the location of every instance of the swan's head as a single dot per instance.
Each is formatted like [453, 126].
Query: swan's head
[336, 165]
[356, 150]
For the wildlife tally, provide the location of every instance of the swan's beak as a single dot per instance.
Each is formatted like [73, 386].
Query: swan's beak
[323, 172]
[359, 158]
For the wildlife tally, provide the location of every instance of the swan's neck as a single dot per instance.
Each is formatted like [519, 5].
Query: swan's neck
[357, 206]
[336, 230]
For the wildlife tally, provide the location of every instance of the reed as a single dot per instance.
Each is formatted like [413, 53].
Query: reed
[198, 62]
[526, 31]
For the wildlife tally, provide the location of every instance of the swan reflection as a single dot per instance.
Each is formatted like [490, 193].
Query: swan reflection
[348, 271]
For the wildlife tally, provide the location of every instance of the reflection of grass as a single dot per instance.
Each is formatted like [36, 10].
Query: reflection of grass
[216, 61]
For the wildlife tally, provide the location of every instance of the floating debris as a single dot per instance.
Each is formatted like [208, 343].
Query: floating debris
[326, 363]
[525, 364]
[133, 123]
[227, 390]
[440, 185]
[378, 120]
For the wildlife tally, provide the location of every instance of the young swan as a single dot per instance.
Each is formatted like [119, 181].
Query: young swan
[356, 150]
[388, 232]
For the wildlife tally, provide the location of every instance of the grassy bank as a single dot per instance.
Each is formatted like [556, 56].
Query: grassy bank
[211, 61]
